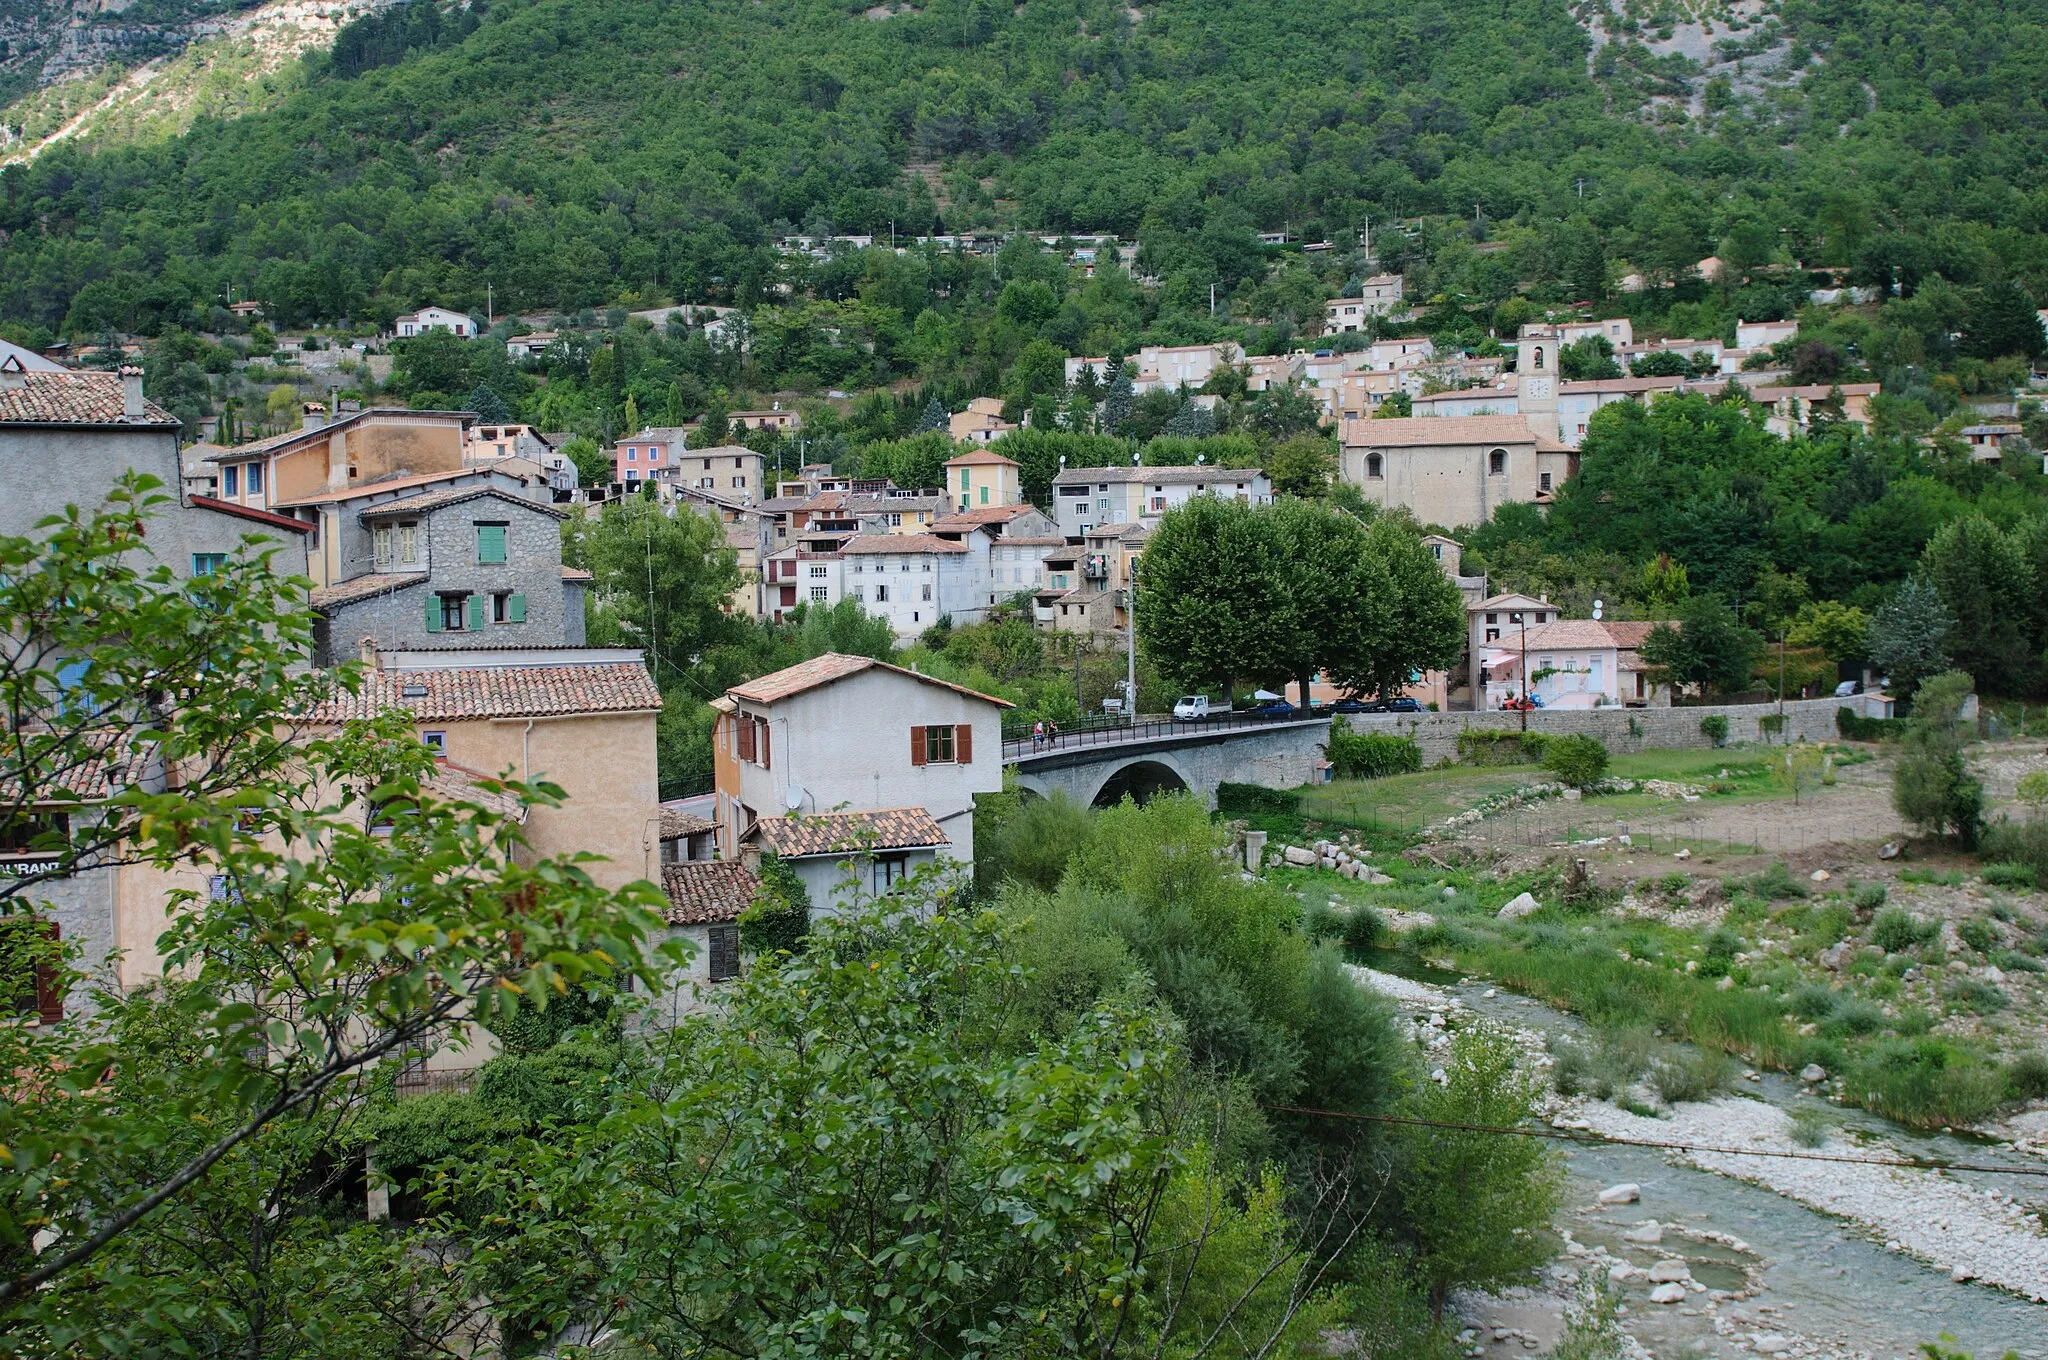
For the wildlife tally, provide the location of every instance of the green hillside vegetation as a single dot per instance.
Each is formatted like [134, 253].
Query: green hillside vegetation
[580, 152]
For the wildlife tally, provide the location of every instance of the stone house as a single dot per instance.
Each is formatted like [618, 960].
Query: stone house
[914, 580]
[1453, 470]
[1085, 497]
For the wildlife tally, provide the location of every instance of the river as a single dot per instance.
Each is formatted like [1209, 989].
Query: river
[1819, 1283]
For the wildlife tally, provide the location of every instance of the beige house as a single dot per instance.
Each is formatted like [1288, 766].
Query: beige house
[352, 450]
[980, 423]
[777, 420]
[1489, 621]
[733, 471]
[982, 478]
[1987, 442]
[1792, 409]
[1380, 295]
[1452, 471]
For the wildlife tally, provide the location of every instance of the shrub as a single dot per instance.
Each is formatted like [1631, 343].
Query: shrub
[1320, 922]
[1978, 934]
[1869, 896]
[1714, 727]
[1692, 1074]
[2006, 874]
[1371, 755]
[1240, 800]
[2026, 1076]
[1811, 1126]
[1979, 996]
[1853, 1015]
[779, 918]
[1897, 930]
[1477, 747]
[1571, 1066]
[2012, 961]
[1579, 761]
[1814, 1002]
[1770, 725]
[1926, 1082]
[1773, 884]
[1855, 727]
[1365, 929]
[2017, 843]
[1931, 781]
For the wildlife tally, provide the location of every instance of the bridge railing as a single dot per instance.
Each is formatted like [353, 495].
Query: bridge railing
[1150, 729]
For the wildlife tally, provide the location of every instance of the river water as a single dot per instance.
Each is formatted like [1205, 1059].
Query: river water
[1821, 1278]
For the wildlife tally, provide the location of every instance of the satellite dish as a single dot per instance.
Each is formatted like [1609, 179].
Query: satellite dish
[795, 797]
[1597, 607]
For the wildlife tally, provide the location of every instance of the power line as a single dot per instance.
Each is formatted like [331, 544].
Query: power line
[1599, 1139]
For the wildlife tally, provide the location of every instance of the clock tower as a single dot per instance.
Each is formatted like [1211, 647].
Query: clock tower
[1536, 372]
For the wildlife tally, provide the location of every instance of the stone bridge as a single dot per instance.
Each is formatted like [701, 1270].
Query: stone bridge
[1098, 768]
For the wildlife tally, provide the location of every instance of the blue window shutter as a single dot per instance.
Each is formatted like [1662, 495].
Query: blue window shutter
[476, 613]
[515, 609]
[433, 613]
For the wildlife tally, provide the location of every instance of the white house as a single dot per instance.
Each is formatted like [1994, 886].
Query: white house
[848, 761]
[914, 580]
[1574, 663]
[1085, 497]
[435, 319]
[1380, 295]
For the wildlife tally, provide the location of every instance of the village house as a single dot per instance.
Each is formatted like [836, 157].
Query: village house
[648, 455]
[982, 478]
[1574, 664]
[1755, 335]
[469, 566]
[1793, 409]
[980, 423]
[1380, 295]
[914, 580]
[1987, 442]
[531, 345]
[1086, 497]
[1617, 331]
[435, 319]
[349, 450]
[850, 767]
[1452, 470]
[1490, 620]
[1021, 536]
[1164, 367]
[730, 470]
[777, 420]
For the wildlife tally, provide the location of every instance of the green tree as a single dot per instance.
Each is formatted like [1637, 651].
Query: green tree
[1840, 631]
[1986, 582]
[1302, 466]
[2003, 321]
[1215, 595]
[1932, 786]
[592, 467]
[1588, 358]
[1477, 1204]
[1909, 634]
[660, 580]
[1119, 402]
[490, 408]
[1705, 646]
[1665, 582]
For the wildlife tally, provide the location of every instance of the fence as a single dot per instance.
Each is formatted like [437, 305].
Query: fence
[1148, 729]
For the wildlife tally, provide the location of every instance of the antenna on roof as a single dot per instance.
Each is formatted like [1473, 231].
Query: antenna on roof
[1598, 605]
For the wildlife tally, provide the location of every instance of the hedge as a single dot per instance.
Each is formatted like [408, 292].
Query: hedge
[1371, 755]
[1855, 727]
[1480, 747]
[1243, 800]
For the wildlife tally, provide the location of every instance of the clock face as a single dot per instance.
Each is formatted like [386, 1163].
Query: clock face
[1537, 387]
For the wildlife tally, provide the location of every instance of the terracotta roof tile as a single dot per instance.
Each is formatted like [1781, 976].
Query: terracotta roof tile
[1436, 431]
[435, 500]
[456, 784]
[273, 442]
[823, 670]
[838, 833]
[93, 767]
[363, 588]
[1157, 476]
[393, 484]
[865, 545]
[499, 692]
[250, 512]
[980, 456]
[67, 398]
[708, 892]
[676, 825]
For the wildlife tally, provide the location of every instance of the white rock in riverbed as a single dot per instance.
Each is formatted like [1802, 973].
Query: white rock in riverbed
[1628, 1192]
[1523, 904]
[1670, 1271]
[1648, 1234]
[1668, 1293]
[1813, 1072]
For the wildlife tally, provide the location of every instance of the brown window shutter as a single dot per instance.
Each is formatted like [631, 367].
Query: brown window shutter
[963, 744]
[725, 953]
[764, 743]
[49, 985]
[917, 746]
[746, 729]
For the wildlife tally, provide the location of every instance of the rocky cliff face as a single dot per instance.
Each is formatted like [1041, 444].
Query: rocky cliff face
[42, 41]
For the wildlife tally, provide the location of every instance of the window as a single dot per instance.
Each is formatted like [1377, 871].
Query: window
[230, 484]
[1493, 618]
[927, 592]
[1102, 505]
[34, 835]
[820, 570]
[735, 462]
[382, 541]
[632, 455]
[724, 952]
[1074, 492]
[1543, 481]
[881, 594]
[508, 607]
[206, 564]
[942, 745]
[752, 738]
[37, 989]
[964, 479]
[889, 870]
[1539, 359]
[1493, 635]
[1159, 503]
[818, 592]
[434, 741]
[1436, 550]
[860, 593]
[490, 545]
[1373, 465]
[255, 479]
[984, 495]
[454, 613]
[1497, 462]
[739, 483]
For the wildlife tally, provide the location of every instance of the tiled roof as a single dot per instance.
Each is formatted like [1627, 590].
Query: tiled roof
[676, 825]
[1815, 391]
[1656, 384]
[1437, 431]
[435, 500]
[708, 892]
[94, 767]
[67, 398]
[987, 514]
[1031, 541]
[453, 783]
[839, 833]
[1583, 633]
[870, 544]
[393, 484]
[250, 512]
[823, 670]
[363, 588]
[576, 574]
[1631, 634]
[979, 456]
[499, 692]
[1157, 476]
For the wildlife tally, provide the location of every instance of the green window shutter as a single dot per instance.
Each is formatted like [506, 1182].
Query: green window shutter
[433, 613]
[515, 609]
[964, 475]
[476, 613]
[490, 544]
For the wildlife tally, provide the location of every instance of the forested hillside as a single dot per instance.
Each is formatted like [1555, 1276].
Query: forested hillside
[577, 152]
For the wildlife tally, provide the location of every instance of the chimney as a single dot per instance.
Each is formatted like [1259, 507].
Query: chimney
[131, 392]
[367, 650]
[315, 416]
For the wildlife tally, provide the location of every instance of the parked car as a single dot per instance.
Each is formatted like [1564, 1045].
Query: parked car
[1195, 707]
[1404, 704]
[1348, 706]
[1847, 688]
[1274, 708]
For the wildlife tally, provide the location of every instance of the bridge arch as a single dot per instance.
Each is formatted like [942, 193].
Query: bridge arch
[1142, 779]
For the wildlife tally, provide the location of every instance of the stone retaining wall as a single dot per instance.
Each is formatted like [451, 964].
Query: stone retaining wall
[1622, 729]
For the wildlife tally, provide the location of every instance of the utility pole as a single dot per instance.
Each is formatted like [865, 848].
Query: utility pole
[1212, 302]
[1131, 659]
[1523, 619]
[1781, 678]
[1582, 188]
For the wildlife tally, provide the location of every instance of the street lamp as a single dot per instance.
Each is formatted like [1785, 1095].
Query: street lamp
[1522, 618]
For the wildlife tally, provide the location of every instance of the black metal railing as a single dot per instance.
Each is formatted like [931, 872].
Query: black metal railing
[1148, 729]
